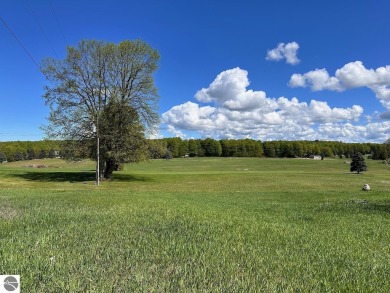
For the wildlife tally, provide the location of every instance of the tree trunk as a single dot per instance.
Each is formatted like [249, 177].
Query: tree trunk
[110, 167]
[102, 168]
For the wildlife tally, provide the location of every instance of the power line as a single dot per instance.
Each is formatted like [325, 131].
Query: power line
[58, 21]
[20, 43]
[24, 48]
[41, 28]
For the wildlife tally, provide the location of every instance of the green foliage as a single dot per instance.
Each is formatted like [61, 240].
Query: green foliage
[42, 154]
[173, 145]
[3, 158]
[212, 147]
[95, 80]
[270, 149]
[52, 153]
[168, 155]
[122, 137]
[19, 156]
[195, 148]
[31, 154]
[157, 148]
[380, 151]
[358, 163]
[76, 150]
[18, 150]
[241, 148]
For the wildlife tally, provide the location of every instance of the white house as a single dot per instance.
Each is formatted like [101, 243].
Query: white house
[315, 157]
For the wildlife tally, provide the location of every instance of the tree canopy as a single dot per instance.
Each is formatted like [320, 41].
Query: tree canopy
[96, 86]
[177, 147]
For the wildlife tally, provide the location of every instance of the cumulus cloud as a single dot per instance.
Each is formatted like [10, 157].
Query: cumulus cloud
[284, 51]
[226, 86]
[321, 112]
[176, 132]
[318, 80]
[348, 132]
[228, 90]
[351, 75]
[189, 114]
[239, 112]
[382, 92]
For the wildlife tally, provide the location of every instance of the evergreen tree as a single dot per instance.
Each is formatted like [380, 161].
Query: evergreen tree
[42, 154]
[3, 158]
[358, 163]
[31, 154]
[19, 156]
[52, 153]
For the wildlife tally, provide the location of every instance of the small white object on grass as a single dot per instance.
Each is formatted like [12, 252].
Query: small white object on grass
[366, 187]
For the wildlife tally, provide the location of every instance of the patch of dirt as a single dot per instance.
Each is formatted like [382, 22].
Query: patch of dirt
[7, 212]
[36, 166]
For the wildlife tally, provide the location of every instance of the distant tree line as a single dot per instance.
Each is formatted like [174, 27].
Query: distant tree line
[176, 147]
[29, 150]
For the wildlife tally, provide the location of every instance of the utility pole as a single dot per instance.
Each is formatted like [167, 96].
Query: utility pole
[97, 152]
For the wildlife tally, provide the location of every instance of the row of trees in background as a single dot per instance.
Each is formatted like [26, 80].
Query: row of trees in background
[176, 147]
[29, 150]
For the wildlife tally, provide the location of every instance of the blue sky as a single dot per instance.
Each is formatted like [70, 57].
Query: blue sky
[229, 69]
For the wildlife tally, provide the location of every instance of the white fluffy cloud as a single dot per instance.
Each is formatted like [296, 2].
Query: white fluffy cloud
[355, 133]
[284, 51]
[176, 132]
[228, 90]
[238, 112]
[351, 75]
[382, 92]
[318, 80]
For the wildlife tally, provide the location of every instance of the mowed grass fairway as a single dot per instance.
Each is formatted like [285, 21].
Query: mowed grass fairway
[197, 225]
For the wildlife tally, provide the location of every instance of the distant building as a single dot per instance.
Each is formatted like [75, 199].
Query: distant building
[315, 157]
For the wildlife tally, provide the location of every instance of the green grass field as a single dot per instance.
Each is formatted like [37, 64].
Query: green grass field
[197, 225]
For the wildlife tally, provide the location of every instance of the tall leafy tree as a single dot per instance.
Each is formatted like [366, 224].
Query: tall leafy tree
[212, 147]
[358, 163]
[157, 148]
[173, 145]
[95, 82]
[124, 141]
[195, 148]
